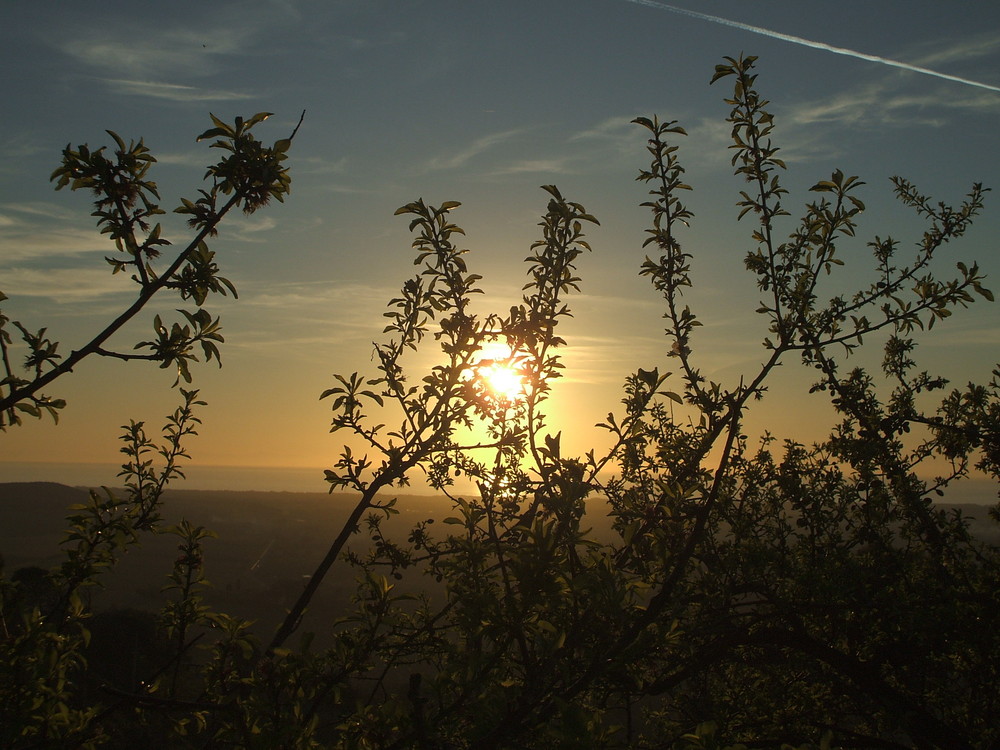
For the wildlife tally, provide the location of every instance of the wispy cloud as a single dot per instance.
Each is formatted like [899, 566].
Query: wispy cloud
[64, 284]
[19, 246]
[608, 360]
[348, 189]
[264, 224]
[133, 62]
[707, 142]
[39, 208]
[21, 146]
[35, 230]
[882, 103]
[167, 53]
[876, 105]
[618, 134]
[806, 125]
[607, 141]
[299, 297]
[962, 50]
[978, 334]
[320, 165]
[542, 166]
[192, 159]
[249, 230]
[297, 314]
[477, 147]
[172, 91]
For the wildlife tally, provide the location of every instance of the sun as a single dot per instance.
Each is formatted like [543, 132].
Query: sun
[503, 381]
[501, 376]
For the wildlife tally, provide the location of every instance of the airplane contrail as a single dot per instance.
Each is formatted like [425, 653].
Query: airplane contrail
[811, 43]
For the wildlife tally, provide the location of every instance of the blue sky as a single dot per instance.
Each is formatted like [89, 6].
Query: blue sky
[481, 103]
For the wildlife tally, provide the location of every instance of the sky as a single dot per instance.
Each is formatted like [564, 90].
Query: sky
[481, 103]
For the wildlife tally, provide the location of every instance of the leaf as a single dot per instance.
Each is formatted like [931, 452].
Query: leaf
[374, 397]
[257, 118]
[649, 377]
[117, 138]
[211, 133]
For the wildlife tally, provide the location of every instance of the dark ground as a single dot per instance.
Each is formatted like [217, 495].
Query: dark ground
[268, 545]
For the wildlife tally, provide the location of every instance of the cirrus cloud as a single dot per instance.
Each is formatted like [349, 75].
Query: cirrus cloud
[172, 91]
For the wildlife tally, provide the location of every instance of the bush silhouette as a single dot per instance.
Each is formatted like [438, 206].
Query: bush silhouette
[749, 595]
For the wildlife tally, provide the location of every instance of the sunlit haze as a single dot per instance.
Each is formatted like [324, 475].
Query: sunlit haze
[499, 370]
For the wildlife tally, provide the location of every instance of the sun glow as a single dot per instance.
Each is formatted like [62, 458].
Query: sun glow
[499, 372]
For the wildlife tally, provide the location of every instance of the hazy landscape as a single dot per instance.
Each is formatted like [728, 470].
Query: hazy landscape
[268, 544]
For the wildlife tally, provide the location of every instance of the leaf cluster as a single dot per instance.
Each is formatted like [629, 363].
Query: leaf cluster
[125, 205]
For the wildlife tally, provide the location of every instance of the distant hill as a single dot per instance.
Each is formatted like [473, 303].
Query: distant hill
[31, 506]
[32, 520]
